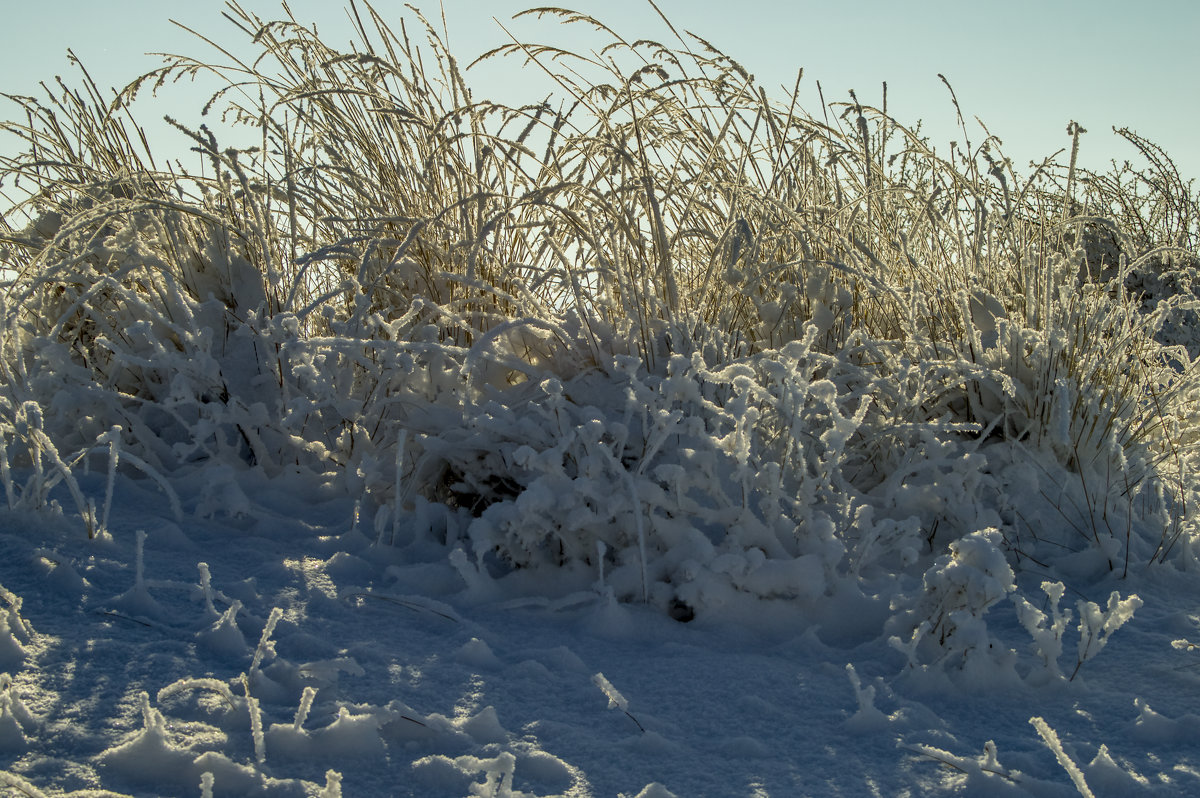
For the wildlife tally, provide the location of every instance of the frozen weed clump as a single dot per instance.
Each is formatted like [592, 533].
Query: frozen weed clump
[676, 332]
[1097, 625]
[959, 589]
[1047, 630]
[669, 472]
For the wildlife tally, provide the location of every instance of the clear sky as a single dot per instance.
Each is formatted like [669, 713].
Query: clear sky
[1025, 67]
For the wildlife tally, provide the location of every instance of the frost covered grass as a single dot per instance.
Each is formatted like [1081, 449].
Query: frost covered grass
[660, 339]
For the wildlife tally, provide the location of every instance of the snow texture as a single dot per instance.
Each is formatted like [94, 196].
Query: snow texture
[404, 682]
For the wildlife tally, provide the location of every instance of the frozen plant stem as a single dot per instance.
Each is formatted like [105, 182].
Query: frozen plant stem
[400, 446]
[90, 520]
[256, 729]
[40, 444]
[306, 700]
[215, 685]
[206, 589]
[1050, 737]
[265, 646]
[636, 506]
[114, 455]
[615, 699]
[20, 785]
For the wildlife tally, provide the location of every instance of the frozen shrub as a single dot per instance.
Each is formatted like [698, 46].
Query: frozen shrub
[685, 478]
[947, 620]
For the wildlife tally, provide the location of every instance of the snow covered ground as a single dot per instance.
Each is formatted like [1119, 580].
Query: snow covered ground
[280, 652]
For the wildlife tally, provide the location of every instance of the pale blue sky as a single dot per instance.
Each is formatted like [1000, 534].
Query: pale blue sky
[1025, 67]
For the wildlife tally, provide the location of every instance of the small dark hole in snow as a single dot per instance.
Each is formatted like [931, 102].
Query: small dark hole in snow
[681, 611]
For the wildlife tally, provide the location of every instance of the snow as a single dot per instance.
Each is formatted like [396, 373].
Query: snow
[372, 677]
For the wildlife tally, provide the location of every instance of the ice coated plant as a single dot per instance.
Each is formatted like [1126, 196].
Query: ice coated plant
[1047, 630]
[665, 472]
[615, 699]
[1096, 626]
[676, 331]
[1050, 738]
